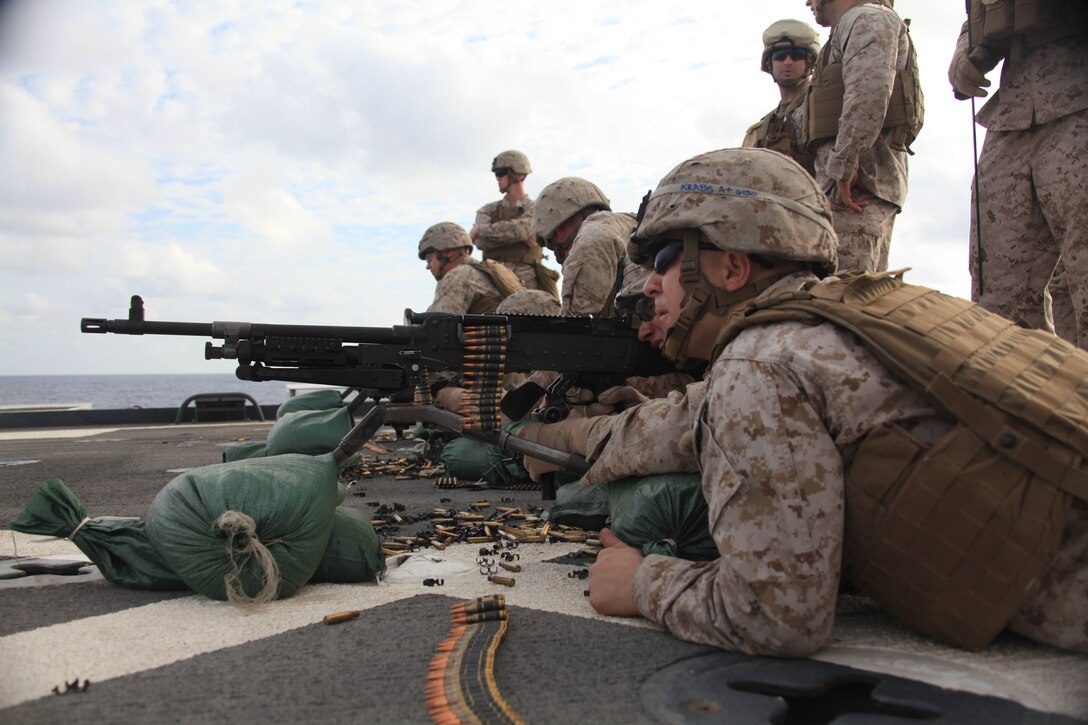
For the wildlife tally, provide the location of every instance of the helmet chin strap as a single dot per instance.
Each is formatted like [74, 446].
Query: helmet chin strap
[702, 298]
[449, 261]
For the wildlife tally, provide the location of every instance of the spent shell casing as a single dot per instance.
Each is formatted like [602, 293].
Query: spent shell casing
[505, 581]
[340, 617]
[510, 567]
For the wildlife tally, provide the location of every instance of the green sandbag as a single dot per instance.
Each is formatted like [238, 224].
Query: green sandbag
[312, 432]
[117, 545]
[662, 514]
[585, 507]
[242, 451]
[472, 461]
[197, 523]
[354, 553]
[317, 400]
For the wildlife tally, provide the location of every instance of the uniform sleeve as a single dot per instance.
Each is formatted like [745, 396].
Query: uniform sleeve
[456, 291]
[491, 234]
[773, 480]
[589, 274]
[654, 437]
[869, 59]
[751, 137]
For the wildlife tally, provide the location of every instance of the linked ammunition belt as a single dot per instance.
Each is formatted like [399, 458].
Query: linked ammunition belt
[484, 367]
[461, 685]
[453, 482]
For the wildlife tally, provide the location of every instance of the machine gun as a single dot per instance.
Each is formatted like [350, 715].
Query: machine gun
[398, 362]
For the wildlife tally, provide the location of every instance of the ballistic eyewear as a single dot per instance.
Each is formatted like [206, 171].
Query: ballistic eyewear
[667, 254]
[792, 53]
[499, 173]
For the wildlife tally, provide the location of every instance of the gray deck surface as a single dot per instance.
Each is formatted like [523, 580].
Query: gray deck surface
[179, 657]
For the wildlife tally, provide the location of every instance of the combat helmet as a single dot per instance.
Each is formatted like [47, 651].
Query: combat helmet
[783, 34]
[443, 236]
[529, 302]
[754, 201]
[562, 199]
[516, 161]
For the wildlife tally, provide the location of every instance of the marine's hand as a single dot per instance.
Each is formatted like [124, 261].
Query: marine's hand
[611, 401]
[622, 396]
[966, 78]
[451, 398]
[846, 194]
[537, 468]
[612, 577]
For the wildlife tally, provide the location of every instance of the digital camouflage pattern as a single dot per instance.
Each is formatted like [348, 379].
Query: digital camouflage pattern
[864, 238]
[442, 237]
[871, 42]
[634, 279]
[1032, 174]
[504, 222]
[591, 268]
[504, 232]
[529, 302]
[514, 160]
[465, 288]
[778, 131]
[740, 202]
[772, 430]
[561, 200]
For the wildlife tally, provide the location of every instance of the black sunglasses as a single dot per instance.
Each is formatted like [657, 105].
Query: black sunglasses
[499, 173]
[793, 53]
[667, 254]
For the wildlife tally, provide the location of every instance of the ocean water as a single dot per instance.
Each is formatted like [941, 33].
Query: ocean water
[128, 391]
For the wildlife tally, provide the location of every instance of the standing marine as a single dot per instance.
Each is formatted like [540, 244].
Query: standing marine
[863, 109]
[1032, 210]
[790, 48]
[504, 229]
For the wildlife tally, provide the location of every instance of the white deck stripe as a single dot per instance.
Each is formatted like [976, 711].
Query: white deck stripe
[122, 643]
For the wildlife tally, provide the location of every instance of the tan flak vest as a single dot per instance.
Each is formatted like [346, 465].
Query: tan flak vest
[1000, 24]
[519, 253]
[823, 104]
[775, 132]
[505, 281]
[952, 538]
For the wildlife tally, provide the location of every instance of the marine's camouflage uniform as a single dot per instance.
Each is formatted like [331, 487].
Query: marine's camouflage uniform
[772, 429]
[591, 269]
[871, 42]
[492, 234]
[1033, 172]
[781, 133]
[461, 288]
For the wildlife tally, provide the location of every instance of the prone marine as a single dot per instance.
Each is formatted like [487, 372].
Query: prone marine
[798, 426]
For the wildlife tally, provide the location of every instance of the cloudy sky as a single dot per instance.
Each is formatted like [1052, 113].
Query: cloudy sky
[278, 161]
